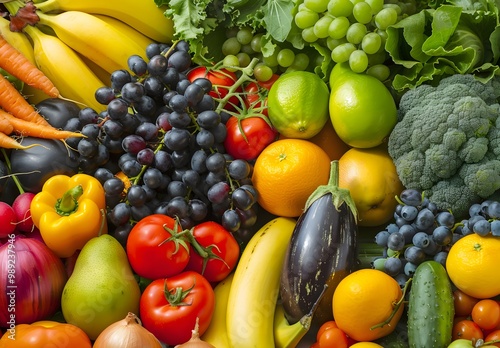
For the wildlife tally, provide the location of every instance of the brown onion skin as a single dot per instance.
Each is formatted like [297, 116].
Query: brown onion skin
[32, 279]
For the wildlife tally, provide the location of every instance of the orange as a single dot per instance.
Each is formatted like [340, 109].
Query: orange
[370, 176]
[329, 141]
[286, 173]
[472, 265]
[298, 104]
[364, 299]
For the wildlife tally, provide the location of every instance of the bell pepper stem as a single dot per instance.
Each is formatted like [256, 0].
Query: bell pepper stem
[68, 203]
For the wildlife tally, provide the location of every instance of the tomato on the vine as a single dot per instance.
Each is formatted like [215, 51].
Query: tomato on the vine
[486, 314]
[218, 254]
[248, 143]
[169, 307]
[466, 329]
[155, 249]
[253, 98]
[493, 336]
[463, 303]
[221, 80]
[333, 337]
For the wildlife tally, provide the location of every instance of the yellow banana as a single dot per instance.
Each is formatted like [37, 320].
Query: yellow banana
[144, 15]
[216, 334]
[130, 32]
[254, 291]
[286, 335]
[102, 74]
[65, 69]
[93, 38]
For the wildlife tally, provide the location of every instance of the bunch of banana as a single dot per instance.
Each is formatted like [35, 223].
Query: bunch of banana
[248, 312]
[78, 44]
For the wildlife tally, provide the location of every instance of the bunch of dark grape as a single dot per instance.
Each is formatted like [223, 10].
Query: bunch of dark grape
[158, 147]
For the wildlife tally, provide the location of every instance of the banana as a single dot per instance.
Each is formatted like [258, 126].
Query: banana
[102, 74]
[130, 32]
[65, 69]
[254, 291]
[93, 38]
[216, 334]
[144, 16]
[286, 335]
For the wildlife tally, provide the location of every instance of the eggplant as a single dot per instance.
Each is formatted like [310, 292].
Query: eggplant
[321, 252]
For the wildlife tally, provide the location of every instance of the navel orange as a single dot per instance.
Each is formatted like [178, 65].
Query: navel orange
[286, 173]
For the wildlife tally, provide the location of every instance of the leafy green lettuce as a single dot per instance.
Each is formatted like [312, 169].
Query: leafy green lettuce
[448, 37]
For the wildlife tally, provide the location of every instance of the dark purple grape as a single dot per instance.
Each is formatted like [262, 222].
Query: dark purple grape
[242, 199]
[180, 60]
[204, 83]
[153, 49]
[216, 162]
[409, 212]
[408, 231]
[136, 195]
[152, 178]
[198, 161]
[157, 65]
[207, 103]
[87, 147]
[104, 95]
[230, 220]
[120, 214]
[121, 233]
[198, 209]
[239, 169]
[248, 217]
[205, 138]
[146, 156]
[178, 207]
[194, 94]
[182, 85]
[154, 87]
[170, 78]
[140, 212]
[133, 144]
[219, 192]
[424, 219]
[421, 239]
[113, 186]
[91, 130]
[146, 106]
[131, 168]
[88, 115]
[117, 109]
[163, 161]
[441, 257]
[445, 218]
[393, 266]
[414, 255]
[208, 119]
[381, 238]
[137, 65]
[177, 139]
[482, 227]
[442, 235]
[179, 119]
[411, 197]
[147, 130]
[410, 269]
[103, 174]
[396, 241]
[177, 188]
[119, 78]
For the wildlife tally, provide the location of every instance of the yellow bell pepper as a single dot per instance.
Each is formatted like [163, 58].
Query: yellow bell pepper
[69, 211]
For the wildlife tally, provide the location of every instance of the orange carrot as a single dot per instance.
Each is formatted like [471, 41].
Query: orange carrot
[16, 64]
[5, 126]
[26, 128]
[13, 102]
[7, 142]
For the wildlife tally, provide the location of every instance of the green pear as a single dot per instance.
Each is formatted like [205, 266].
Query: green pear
[102, 288]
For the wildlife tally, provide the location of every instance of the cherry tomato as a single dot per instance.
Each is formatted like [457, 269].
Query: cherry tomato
[333, 337]
[169, 307]
[258, 135]
[256, 93]
[463, 303]
[466, 329]
[315, 345]
[493, 336]
[486, 314]
[222, 248]
[221, 81]
[153, 248]
[326, 325]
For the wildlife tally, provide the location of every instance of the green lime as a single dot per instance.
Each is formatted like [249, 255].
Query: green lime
[298, 104]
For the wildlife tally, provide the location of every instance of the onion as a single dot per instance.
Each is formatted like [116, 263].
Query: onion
[32, 279]
[126, 333]
[195, 340]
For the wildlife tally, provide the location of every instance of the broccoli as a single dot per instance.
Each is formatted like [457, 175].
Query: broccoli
[447, 141]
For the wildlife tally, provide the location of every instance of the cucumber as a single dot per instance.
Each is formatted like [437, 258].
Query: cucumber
[430, 307]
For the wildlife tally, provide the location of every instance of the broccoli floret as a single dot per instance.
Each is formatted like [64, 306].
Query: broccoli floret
[447, 141]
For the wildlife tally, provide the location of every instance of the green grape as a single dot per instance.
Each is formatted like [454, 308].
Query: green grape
[377, 58]
[306, 18]
[243, 58]
[285, 57]
[332, 43]
[301, 62]
[342, 52]
[256, 42]
[247, 49]
[376, 5]
[358, 61]
[371, 43]
[262, 72]
[231, 32]
[355, 33]
[272, 60]
[229, 61]
[379, 71]
[396, 7]
[321, 27]
[340, 8]
[362, 12]
[386, 17]
[308, 35]
[244, 36]
[318, 6]
[338, 27]
[382, 34]
[231, 46]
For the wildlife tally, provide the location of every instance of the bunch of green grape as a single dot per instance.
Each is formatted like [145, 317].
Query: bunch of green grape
[243, 44]
[353, 30]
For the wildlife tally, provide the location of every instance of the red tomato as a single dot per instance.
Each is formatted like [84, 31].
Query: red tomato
[169, 307]
[258, 135]
[255, 93]
[463, 303]
[221, 248]
[325, 326]
[466, 329]
[221, 81]
[493, 336]
[154, 250]
[486, 314]
[333, 337]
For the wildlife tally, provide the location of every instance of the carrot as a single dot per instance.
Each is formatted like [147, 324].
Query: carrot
[16, 64]
[7, 142]
[13, 102]
[26, 128]
[5, 126]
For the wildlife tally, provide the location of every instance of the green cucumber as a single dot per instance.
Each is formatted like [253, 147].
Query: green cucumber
[430, 307]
